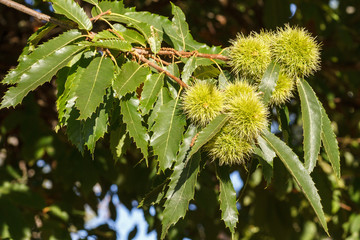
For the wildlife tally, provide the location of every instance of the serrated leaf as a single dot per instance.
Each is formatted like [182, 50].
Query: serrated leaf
[154, 40]
[311, 118]
[167, 133]
[72, 11]
[155, 195]
[299, 173]
[186, 143]
[178, 31]
[130, 77]
[163, 98]
[87, 132]
[140, 21]
[94, 81]
[151, 89]
[206, 72]
[223, 81]
[116, 44]
[118, 142]
[208, 133]
[181, 191]
[40, 72]
[34, 39]
[114, 6]
[283, 119]
[267, 169]
[268, 153]
[227, 198]
[41, 53]
[95, 127]
[93, 2]
[129, 35]
[105, 34]
[133, 120]
[268, 81]
[330, 143]
[179, 21]
[188, 70]
[67, 97]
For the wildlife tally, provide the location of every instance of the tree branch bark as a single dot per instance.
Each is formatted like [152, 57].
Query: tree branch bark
[173, 52]
[151, 64]
[31, 12]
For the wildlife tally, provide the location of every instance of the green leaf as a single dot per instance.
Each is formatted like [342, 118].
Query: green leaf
[155, 40]
[140, 21]
[167, 133]
[151, 89]
[72, 11]
[114, 6]
[93, 2]
[155, 195]
[206, 72]
[71, 76]
[116, 44]
[118, 142]
[129, 35]
[130, 77]
[330, 143]
[186, 143]
[39, 73]
[163, 98]
[268, 82]
[40, 54]
[311, 117]
[208, 133]
[95, 127]
[283, 119]
[181, 191]
[105, 34]
[133, 120]
[268, 153]
[227, 198]
[34, 39]
[300, 174]
[180, 24]
[188, 70]
[178, 31]
[94, 81]
[223, 81]
[87, 132]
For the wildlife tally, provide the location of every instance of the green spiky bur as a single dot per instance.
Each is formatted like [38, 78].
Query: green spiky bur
[229, 148]
[237, 88]
[250, 55]
[296, 51]
[202, 103]
[248, 114]
[283, 90]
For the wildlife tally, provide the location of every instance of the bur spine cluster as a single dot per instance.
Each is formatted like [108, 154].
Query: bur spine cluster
[245, 110]
[298, 55]
[293, 48]
[202, 103]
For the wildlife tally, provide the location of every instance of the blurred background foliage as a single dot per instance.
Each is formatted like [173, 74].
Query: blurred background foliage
[45, 182]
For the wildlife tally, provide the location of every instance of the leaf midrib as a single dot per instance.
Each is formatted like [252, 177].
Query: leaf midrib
[94, 82]
[44, 76]
[79, 21]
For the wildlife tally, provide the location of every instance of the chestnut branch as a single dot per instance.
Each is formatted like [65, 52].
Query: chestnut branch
[35, 14]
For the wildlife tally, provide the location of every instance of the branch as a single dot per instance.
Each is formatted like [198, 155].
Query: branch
[31, 12]
[173, 52]
[151, 64]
